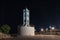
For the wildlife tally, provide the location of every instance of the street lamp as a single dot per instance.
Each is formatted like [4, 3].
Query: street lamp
[52, 28]
[46, 29]
[42, 29]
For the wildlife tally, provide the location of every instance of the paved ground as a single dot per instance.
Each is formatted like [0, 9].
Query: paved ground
[37, 37]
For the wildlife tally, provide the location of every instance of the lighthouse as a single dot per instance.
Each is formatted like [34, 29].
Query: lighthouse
[26, 29]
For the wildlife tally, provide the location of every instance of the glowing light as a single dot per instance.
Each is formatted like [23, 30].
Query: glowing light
[42, 29]
[46, 29]
[52, 28]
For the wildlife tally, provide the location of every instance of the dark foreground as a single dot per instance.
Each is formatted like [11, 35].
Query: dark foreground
[38, 37]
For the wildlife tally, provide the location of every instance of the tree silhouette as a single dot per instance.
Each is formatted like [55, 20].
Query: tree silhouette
[5, 29]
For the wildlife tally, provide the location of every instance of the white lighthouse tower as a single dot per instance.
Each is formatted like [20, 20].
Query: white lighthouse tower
[26, 29]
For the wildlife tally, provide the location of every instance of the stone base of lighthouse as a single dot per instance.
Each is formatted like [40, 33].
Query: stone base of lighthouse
[27, 31]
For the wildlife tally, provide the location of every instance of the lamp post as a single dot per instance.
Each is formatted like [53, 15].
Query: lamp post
[51, 28]
[42, 30]
[46, 29]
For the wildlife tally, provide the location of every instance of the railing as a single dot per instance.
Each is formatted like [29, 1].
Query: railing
[47, 33]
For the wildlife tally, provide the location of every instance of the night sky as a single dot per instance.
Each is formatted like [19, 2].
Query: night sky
[42, 13]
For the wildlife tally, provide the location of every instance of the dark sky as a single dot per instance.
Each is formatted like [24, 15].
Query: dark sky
[42, 12]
